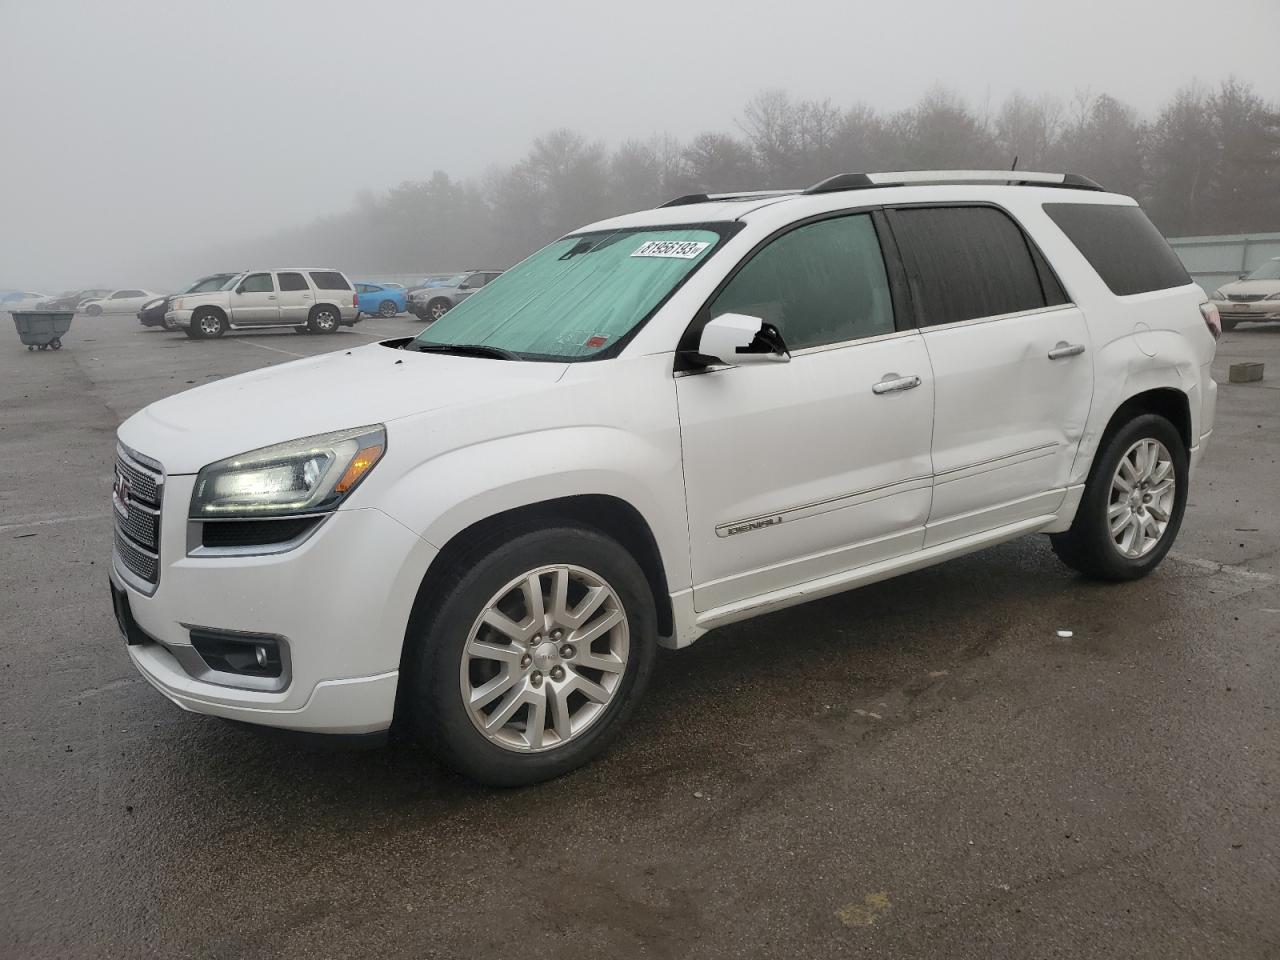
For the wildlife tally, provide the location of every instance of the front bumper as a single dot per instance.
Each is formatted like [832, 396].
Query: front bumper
[340, 600]
[181, 318]
[1252, 310]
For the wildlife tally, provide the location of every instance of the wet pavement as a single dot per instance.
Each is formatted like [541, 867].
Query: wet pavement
[921, 768]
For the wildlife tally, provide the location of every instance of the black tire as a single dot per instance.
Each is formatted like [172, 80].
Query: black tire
[387, 309]
[56, 343]
[437, 308]
[1088, 546]
[433, 696]
[93, 310]
[1228, 323]
[190, 332]
[324, 319]
[302, 329]
[207, 324]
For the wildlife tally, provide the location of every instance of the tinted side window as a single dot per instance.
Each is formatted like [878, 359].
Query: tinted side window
[966, 262]
[258, 283]
[329, 280]
[292, 281]
[820, 283]
[1122, 245]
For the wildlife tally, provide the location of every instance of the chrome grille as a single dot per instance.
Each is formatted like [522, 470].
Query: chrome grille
[138, 490]
[1245, 297]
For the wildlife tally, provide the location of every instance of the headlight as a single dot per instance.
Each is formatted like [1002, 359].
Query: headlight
[1274, 296]
[310, 475]
[1217, 295]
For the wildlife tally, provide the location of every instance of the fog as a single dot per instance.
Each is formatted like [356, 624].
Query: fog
[138, 134]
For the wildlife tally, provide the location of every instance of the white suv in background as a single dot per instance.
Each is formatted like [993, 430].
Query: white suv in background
[657, 425]
[309, 299]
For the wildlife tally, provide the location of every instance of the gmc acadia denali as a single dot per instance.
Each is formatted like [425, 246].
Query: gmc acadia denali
[656, 425]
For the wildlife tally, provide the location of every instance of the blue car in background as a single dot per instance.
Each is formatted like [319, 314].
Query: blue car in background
[378, 299]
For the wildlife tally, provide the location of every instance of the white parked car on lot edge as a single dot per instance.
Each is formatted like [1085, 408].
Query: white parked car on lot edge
[309, 299]
[1255, 296]
[12, 300]
[657, 425]
[118, 301]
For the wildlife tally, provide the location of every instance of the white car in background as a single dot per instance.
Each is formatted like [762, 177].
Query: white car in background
[22, 300]
[118, 301]
[1255, 296]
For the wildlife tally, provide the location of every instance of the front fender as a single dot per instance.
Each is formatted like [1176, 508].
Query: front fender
[448, 493]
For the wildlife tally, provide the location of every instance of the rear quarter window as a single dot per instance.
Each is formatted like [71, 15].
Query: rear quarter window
[329, 280]
[1122, 245]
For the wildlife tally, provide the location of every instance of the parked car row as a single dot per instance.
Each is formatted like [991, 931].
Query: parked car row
[434, 300]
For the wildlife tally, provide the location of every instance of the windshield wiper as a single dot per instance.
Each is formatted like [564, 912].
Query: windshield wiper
[466, 350]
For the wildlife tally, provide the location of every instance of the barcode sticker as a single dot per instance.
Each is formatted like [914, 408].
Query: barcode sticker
[679, 249]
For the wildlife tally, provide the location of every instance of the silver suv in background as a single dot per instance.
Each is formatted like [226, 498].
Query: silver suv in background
[432, 303]
[1255, 296]
[309, 299]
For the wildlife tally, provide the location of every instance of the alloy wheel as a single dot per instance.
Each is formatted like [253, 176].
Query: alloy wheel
[1143, 491]
[545, 658]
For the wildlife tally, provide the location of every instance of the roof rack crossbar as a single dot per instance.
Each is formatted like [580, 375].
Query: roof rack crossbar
[902, 178]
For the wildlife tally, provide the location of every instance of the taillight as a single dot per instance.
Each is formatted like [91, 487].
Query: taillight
[355, 299]
[1211, 319]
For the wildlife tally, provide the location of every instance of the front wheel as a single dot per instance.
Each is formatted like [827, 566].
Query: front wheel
[534, 657]
[1132, 505]
[208, 325]
[324, 319]
[1228, 323]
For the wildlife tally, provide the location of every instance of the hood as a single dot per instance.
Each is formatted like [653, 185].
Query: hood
[1251, 287]
[334, 391]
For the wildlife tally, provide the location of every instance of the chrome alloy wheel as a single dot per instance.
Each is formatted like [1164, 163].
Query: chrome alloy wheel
[326, 321]
[438, 309]
[545, 658]
[1142, 496]
[210, 324]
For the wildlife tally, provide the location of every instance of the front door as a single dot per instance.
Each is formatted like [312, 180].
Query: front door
[801, 470]
[255, 300]
[1011, 362]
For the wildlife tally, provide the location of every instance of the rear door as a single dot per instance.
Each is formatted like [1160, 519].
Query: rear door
[254, 300]
[1012, 366]
[296, 298]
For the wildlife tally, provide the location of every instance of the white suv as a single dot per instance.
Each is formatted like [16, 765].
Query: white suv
[655, 426]
[309, 299]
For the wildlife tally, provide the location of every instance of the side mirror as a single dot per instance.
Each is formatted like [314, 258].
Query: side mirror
[1242, 276]
[736, 338]
[240, 289]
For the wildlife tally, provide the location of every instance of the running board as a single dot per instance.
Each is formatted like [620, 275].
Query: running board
[861, 576]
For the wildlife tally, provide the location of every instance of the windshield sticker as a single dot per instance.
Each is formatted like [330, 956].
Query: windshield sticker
[594, 343]
[677, 249]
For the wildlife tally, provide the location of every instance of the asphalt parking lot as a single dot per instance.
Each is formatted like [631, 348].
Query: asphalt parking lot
[922, 768]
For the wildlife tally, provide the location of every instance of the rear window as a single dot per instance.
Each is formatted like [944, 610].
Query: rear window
[329, 280]
[964, 263]
[1122, 245]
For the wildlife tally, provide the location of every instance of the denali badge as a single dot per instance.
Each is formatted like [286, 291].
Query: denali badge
[746, 526]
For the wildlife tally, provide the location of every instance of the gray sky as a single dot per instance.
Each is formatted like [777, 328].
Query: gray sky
[135, 130]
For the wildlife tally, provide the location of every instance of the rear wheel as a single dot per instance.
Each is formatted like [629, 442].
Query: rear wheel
[534, 656]
[387, 308]
[1132, 505]
[93, 310]
[207, 325]
[324, 319]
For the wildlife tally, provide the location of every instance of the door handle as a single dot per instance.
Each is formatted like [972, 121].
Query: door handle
[892, 383]
[271, 296]
[1063, 349]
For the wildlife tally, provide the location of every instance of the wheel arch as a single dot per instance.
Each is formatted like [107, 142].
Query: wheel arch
[605, 513]
[209, 308]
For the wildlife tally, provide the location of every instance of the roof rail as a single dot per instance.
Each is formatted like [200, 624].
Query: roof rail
[714, 197]
[1013, 178]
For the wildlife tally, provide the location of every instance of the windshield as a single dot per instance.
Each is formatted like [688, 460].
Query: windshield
[1268, 271]
[208, 284]
[452, 281]
[578, 296]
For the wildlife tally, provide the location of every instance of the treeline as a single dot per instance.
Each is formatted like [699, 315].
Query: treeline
[1208, 162]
